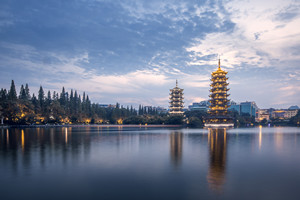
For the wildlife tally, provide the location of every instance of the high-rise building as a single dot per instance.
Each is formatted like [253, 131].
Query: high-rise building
[233, 106]
[176, 100]
[248, 107]
[218, 99]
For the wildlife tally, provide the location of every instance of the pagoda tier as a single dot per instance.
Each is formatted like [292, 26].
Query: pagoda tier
[176, 100]
[218, 100]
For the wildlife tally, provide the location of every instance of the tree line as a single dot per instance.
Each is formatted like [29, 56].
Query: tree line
[72, 108]
[64, 107]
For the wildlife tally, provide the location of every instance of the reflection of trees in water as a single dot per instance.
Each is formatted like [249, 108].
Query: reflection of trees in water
[176, 142]
[217, 158]
[21, 148]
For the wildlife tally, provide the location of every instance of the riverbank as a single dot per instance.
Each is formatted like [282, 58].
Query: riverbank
[96, 125]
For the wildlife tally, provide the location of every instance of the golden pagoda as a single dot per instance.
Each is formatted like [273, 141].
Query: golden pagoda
[176, 100]
[218, 116]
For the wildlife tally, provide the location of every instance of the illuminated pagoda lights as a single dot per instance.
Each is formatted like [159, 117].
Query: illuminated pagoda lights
[218, 116]
[176, 100]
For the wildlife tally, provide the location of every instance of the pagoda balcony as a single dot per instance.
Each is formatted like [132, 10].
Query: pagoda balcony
[219, 85]
[218, 108]
[218, 75]
[218, 91]
[220, 98]
[177, 94]
[176, 104]
[217, 102]
[219, 79]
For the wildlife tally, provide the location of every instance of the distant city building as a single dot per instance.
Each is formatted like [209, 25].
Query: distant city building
[248, 107]
[107, 106]
[263, 114]
[293, 108]
[233, 106]
[161, 110]
[272, 113]
[283, 114]
[176, 100]
[203, 105]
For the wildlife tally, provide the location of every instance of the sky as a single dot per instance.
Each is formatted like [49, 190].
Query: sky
[132, 51]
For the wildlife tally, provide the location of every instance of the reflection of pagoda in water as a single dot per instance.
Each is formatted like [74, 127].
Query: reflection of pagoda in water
[218, 99]
[176, 142]
[217, 158]
[176, 100]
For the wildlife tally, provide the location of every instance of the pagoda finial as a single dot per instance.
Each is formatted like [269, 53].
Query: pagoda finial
[219, 63]
[176, 83]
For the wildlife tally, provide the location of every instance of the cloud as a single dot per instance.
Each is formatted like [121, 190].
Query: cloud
[258, 39]
[134, 50]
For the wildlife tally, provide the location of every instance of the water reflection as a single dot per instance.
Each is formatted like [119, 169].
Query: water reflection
[22, 148]
[176, 143]
[217, 159]
[259, 137]
[78, 161]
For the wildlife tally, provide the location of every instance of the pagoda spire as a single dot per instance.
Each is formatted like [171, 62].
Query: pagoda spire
[176, 83]
[219, 68]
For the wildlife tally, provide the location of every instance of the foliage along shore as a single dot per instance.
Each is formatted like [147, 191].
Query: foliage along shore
[70, 108]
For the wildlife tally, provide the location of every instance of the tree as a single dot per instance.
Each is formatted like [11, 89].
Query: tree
[62, 99]
[41, 97]
[27, 93]
[175, 119]
[35, 103]
[22, 93]
[12, 94]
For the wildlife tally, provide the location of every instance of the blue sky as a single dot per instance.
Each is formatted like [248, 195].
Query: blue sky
[132, 51]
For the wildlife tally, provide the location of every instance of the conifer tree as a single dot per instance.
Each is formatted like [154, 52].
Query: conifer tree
[54, 96]
[35, 103]
[22, 93]
[3, 95]
[88, 106]
[12, 94]
[27, 93]
[41, 97]
[62, 99]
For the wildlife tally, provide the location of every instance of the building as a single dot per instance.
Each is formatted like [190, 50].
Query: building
[107, 106]
[176, 100]
[248, 107]
[272, 113]
[283, 114]
[218, 116]
[233, 106]
[203, 106]
[263, 114]
[294, 108]
[161, 110]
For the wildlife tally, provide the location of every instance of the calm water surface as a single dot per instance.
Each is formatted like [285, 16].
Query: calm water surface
[101, 163]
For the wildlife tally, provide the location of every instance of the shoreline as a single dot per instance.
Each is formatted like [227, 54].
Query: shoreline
[95, 125]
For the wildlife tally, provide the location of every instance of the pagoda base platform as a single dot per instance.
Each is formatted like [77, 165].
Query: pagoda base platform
[221, 125]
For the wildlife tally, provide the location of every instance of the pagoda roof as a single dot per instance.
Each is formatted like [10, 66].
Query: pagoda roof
[219, 70]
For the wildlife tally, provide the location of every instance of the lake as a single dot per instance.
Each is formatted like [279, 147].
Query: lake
[140, 163]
